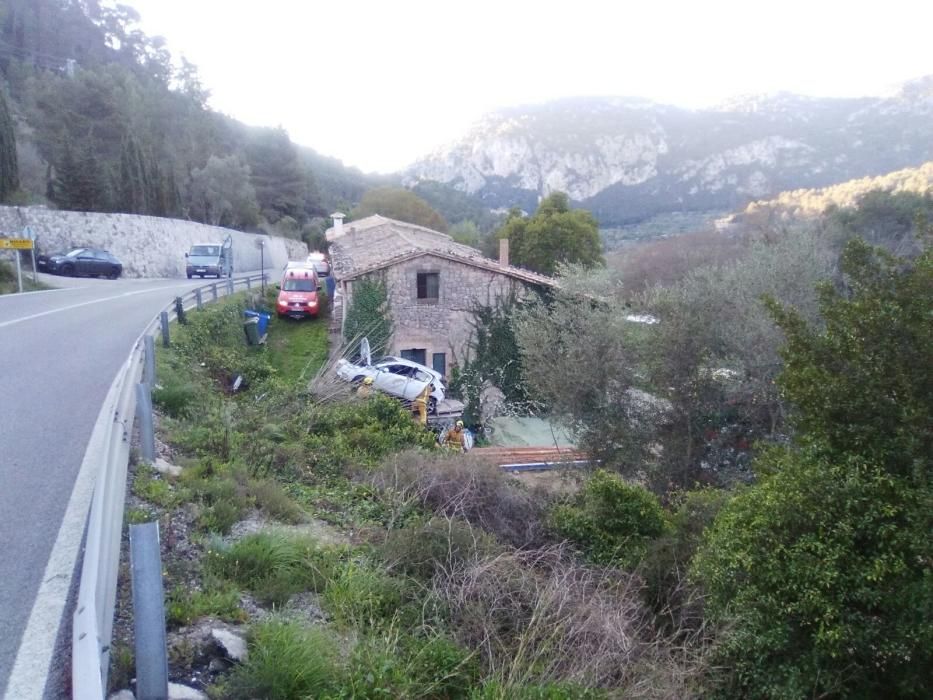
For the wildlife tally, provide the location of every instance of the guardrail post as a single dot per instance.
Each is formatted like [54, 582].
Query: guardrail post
[148, 612]
[229, 286]
[197, 297]
[249, 284]
[180, 311]
[163, 317]
[146, 426]
[149, 360]
[214, 291]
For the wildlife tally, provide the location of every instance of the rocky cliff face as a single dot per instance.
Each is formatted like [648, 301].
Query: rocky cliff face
[627, 159]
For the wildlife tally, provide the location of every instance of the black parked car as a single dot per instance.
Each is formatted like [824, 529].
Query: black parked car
[90, 262]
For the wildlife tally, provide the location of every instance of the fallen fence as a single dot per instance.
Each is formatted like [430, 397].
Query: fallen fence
[92, 623]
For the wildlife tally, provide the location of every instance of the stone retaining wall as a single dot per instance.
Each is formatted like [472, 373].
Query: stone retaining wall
[148, 246]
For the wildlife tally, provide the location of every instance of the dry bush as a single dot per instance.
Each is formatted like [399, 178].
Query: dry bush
[537, 616]
[441, 543]
[468, 488]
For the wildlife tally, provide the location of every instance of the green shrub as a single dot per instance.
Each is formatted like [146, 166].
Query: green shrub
[272, 499]
[820, 575]
[150, 487]
[222, 494]
[286, 661]
[175, 400]
[273, 566]
[668, 559]
[610, 520]
[359, 434]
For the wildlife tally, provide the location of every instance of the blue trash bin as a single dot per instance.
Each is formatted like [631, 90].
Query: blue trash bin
[263, 320]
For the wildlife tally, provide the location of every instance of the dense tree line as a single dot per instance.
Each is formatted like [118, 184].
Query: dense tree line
[103, 119]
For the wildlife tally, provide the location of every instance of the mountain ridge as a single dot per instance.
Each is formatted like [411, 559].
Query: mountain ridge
[628, 158]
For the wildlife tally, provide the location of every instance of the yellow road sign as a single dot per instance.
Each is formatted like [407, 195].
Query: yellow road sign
[16, 243]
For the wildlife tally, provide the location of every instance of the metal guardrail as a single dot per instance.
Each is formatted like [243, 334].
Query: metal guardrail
[92, 623]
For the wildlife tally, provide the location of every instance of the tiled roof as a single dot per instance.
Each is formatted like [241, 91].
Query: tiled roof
[376, 242]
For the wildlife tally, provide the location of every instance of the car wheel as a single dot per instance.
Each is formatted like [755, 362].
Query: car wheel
[68, 270]
[189, 275]
[432, 405]
[114, 273]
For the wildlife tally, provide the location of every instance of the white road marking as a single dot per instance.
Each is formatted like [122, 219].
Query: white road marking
[38, 291]
[83, 303]
[31, 668]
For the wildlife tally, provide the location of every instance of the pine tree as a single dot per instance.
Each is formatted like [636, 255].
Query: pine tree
[9, 170]
[79, 184]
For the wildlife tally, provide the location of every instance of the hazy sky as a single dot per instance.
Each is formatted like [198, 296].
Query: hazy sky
[380, 83]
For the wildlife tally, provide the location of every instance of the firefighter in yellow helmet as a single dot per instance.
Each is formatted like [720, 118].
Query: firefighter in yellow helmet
[420, 404]
[454, 437]
[365, 390]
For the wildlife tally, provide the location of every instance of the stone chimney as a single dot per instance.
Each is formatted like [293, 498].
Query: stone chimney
[503, 251]
[338, 218]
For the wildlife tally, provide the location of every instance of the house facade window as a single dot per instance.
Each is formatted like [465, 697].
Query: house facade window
[418, 355]
[439, 363]
[428, 287]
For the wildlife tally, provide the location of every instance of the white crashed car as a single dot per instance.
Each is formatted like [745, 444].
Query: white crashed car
[398, 377]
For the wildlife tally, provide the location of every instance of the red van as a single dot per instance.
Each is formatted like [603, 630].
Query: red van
[298, 293]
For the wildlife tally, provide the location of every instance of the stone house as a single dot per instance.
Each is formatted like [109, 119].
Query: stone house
[433, 284]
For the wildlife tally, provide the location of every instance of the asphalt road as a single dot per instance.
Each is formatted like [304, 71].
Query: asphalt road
[59, 353]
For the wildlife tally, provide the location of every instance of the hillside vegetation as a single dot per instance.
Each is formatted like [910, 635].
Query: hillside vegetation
[757, 528]
[105, 119]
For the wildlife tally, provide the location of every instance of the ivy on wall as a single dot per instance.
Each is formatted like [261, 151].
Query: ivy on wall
[368, 317]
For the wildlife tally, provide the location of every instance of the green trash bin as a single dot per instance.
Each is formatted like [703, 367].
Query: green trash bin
[251, 328]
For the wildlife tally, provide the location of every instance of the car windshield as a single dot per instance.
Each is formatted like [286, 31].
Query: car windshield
[293, 284]
[205, 250]
[74, 253]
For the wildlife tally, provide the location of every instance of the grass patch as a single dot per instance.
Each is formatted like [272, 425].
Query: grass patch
[341, 502]
[398, 665]
[8, 283]
[122, 666]
[137, 516]
[184, 607]
[148, 486]
[274, 566]
[359, 595]
[297, 349]
[226, 494]
[286, 661]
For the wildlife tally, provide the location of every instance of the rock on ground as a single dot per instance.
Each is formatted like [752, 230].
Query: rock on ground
[177, 691]
[233, 644]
